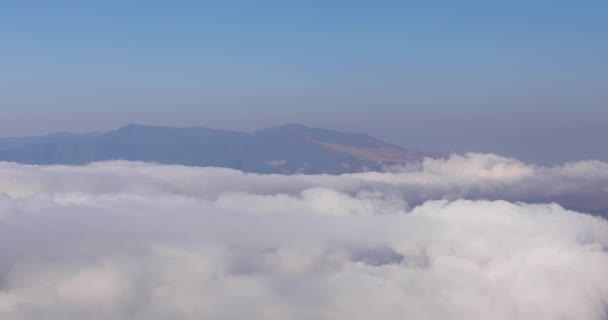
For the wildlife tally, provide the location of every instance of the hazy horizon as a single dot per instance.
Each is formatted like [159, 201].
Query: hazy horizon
[549, 154]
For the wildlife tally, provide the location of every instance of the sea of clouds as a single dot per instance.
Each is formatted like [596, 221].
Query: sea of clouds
[476, 236]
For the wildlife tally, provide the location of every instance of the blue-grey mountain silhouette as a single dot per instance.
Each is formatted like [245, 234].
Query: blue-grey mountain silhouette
[291, 148]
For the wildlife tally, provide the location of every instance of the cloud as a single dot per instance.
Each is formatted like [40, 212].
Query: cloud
[468, 237]
[579, 185]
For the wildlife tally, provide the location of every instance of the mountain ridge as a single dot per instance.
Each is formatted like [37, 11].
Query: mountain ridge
[290, 148]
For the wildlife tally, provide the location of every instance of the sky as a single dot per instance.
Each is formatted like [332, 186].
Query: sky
[519, 78]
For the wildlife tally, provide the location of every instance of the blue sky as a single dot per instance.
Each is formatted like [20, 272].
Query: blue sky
[521, 78]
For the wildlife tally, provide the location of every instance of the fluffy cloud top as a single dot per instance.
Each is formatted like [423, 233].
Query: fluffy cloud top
[469, 237]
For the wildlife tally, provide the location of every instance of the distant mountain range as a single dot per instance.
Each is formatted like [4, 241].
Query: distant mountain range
[291, 148]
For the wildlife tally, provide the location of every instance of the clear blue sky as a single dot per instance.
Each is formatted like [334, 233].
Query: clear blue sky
[522, 78]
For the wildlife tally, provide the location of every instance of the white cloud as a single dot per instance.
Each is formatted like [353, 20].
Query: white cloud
[100, 286]
[124, 240]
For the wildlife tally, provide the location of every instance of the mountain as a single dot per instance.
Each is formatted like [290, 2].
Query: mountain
[291, 148]
[17, 142]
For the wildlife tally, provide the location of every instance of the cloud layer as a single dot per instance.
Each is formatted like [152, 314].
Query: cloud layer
[469, 237]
